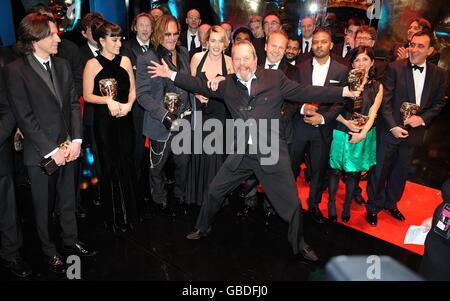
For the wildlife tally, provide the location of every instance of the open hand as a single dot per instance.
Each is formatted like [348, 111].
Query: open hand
[161, 70]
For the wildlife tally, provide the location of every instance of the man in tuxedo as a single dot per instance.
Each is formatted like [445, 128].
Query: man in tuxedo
[189, 38]
[307, 26]
[142, 25]
[400, 51]
[343, 49]
[254, 95]
[202, 31]
[47, 110]
[11, 238]
[409, 80]
[313, 123]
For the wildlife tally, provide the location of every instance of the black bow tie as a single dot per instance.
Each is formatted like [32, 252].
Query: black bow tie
[415, 67]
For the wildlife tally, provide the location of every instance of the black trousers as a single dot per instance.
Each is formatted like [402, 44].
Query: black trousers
[279, 187]
[54, 194]
[318, 150]
[388, 177]
[159, 153]
[11, 238]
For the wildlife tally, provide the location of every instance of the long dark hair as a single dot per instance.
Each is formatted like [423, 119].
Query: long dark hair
[370, 53]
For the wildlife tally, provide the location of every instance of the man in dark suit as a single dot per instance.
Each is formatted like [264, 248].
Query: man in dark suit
[158, 119]
[255, 96]
[313, 123]
[276, 46]
[307, 26]
[11, 238]
[189, 38]
[343, 49]
[292, 50]
[47, 110]
[271, 22]
[410, 80]
[142, 25]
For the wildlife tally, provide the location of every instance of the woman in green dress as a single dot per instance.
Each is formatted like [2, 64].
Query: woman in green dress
[353, 148]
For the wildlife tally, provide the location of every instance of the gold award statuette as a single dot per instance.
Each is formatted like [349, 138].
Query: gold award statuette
[408, 109]
[355, 79]
[108, 87]
[172, 102]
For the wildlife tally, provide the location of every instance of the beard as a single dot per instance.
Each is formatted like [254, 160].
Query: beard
[250, 74]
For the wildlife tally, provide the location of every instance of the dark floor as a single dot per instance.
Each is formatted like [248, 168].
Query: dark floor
[237, 249]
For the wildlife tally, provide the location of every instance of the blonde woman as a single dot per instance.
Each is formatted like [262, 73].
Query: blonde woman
[208, 65]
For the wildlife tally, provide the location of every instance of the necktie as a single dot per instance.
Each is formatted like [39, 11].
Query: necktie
[49, 71]
[415, 67]
[192, 47]
[306, 47]
[144, 48]
[348, 49]
[271, 66]
[97, 52]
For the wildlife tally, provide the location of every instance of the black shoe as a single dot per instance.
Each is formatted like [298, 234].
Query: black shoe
[17, 266]
[359, 199]
[56, 265]
[345, 218]
[332, 218]
[372, 218]
[80, 249]
[396, 214]
[196, 234]
[316, 215]
[307, 253]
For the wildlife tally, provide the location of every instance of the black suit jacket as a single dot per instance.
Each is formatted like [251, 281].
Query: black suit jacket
[88, 112]
[399, 87]
[71, 52]
[336, 76]
[268, 92]
[132, 49]
[46, 118]
[7, 126]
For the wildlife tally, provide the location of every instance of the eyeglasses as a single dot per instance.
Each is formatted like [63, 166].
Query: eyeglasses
[273, 23]
[171, 34]
[363, 38]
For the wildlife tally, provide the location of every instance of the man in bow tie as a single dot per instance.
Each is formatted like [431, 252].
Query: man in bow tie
[409, 80]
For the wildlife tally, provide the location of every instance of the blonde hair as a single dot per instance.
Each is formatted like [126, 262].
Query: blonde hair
[223, 34]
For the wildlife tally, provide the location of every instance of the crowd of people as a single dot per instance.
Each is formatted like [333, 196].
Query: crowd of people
[253, 73]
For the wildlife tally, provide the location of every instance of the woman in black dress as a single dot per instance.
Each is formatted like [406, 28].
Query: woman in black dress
[207, 65]
[108, 82]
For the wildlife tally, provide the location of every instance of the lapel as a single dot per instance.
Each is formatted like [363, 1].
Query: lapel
[330, 73]
[242, 90]
[308, 70]
[409, 82]
[42, 74]
[427, 86]
[57, 72]
[257, 83]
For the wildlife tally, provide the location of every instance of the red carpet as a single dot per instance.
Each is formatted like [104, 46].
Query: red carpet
[417, 204]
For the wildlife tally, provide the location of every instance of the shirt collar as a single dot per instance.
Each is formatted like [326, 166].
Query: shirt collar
[142, 43]
[93, 49]
[245, 83]
[277, 64]
[42, 61]
[316, 63]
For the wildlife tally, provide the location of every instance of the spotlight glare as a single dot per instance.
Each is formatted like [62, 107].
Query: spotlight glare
[313, 8]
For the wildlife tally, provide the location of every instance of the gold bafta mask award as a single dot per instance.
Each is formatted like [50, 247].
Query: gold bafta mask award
[408, 109]
[108, 87]
[355, 79]
[172, 102]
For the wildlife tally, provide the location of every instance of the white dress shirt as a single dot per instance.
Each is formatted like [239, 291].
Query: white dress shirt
[304, 45]
[419, 81]
[94, 50]
[189, 38]
[142, 43]
[275, 67]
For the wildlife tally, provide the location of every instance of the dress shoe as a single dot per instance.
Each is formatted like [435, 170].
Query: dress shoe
[359, 199]
[308, 253]
[316, 215]
[56, 265]
[396, 214]
[196, 234]
[80, 249]
[345, 218]
[17, 266]
[372, 218]
[332, 218]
